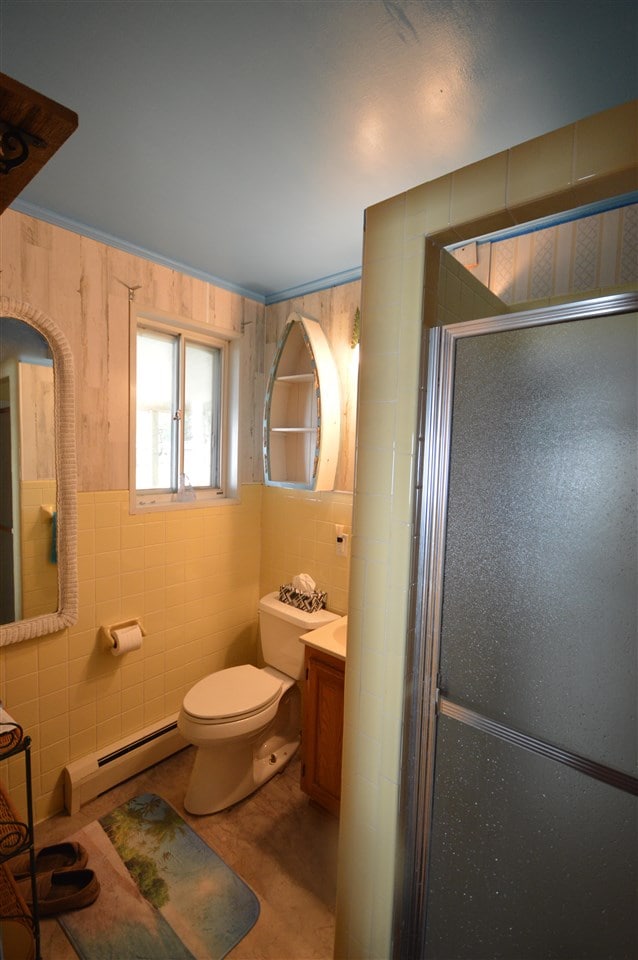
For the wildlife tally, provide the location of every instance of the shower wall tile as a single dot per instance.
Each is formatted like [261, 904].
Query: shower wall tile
[540, 167]
[606, 142]
[386, 418]
[479, 189]
[461, 295]
[388, 813]
[428, 208]
[384, 231]
[539, 176]
[375, 466]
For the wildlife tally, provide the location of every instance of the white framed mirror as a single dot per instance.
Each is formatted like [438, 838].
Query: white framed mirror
[59, 509]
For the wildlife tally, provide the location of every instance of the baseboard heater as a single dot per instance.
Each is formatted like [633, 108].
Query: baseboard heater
[86, 778]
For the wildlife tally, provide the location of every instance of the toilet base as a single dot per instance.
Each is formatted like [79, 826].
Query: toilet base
[272, 757]
[224, 774]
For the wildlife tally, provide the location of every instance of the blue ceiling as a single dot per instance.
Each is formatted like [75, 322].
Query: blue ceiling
[241, 141]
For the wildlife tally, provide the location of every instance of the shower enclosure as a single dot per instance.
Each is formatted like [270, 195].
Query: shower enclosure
[519, 810]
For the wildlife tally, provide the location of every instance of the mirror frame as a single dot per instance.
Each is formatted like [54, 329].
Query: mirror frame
[66, 479]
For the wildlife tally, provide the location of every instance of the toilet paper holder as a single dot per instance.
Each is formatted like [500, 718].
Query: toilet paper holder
[110, 633]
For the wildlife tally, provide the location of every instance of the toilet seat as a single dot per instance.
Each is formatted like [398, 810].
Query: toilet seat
[231, 694]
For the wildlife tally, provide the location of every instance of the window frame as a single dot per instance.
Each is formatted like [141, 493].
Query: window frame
[141, 501]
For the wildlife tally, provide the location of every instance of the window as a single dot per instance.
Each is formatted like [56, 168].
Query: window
[180, 451]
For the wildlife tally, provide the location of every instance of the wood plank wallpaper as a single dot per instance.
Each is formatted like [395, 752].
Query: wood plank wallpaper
[37, 425]
[590, 255]
[84, 287]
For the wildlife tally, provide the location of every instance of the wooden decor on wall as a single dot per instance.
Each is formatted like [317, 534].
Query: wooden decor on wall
[32, 129]
[302, 418]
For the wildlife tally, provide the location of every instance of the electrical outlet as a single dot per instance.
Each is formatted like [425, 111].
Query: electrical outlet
[342, 545]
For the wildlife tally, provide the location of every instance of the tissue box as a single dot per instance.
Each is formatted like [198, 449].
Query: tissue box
[309, 602]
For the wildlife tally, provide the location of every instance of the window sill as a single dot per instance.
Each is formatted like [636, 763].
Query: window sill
[167, 504]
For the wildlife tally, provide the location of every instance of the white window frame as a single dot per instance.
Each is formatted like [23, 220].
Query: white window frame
[229, 344]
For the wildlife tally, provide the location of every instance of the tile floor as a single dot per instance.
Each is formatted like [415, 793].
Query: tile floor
[283, 846]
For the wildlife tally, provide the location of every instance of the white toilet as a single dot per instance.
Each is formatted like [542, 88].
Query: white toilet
[246, 721]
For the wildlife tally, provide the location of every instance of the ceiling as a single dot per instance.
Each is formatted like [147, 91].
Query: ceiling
[241, 141]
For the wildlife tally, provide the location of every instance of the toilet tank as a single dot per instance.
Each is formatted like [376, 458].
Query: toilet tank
[280, 626]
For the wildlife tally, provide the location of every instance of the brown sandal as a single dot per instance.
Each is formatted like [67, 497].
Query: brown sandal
[59, 856]
[61, 891]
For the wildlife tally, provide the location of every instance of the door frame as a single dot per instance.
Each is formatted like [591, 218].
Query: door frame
[422, 661]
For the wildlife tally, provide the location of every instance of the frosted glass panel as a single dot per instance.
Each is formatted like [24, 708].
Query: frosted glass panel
[539, 612]
[530, 860]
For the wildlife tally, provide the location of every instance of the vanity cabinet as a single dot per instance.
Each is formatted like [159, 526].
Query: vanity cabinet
[19, 926]
[322, 736]
[302, 414]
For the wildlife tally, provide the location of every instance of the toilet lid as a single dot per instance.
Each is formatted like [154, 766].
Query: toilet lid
[231, 693]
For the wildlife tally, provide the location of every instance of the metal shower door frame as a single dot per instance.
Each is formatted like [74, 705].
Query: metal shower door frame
[424, 699]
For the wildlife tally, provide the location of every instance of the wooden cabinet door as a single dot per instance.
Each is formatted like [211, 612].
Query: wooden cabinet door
[323, 729]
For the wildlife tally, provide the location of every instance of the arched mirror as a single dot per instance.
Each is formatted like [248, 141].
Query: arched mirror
[38, 476]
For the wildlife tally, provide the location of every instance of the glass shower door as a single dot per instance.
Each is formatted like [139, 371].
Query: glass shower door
[533, 842]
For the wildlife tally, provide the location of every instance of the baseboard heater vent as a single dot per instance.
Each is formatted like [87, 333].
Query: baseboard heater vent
[86, 778]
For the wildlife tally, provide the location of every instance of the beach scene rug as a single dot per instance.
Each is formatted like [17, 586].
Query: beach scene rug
[164, 894]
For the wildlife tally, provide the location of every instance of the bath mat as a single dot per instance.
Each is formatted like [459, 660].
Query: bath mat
[165, 895]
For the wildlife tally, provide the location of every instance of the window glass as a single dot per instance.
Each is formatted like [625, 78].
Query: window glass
[183, 425]
[156, 405]
[202, 415]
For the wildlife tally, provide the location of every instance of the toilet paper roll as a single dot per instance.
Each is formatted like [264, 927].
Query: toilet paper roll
[126, 639]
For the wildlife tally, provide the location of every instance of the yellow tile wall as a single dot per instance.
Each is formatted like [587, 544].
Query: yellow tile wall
[298, 536]
[39, 574]
[191, 576]
[403, 288]
[461, 296]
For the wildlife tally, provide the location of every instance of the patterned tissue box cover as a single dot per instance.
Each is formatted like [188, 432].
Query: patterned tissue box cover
[309, 602]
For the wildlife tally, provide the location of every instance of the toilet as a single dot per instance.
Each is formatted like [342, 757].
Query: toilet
[246, 721]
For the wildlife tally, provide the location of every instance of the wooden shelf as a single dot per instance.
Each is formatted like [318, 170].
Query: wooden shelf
[44, 125]
[293, 429]
[302, 411]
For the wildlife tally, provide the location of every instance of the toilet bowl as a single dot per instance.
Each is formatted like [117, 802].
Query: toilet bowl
[246, 721]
